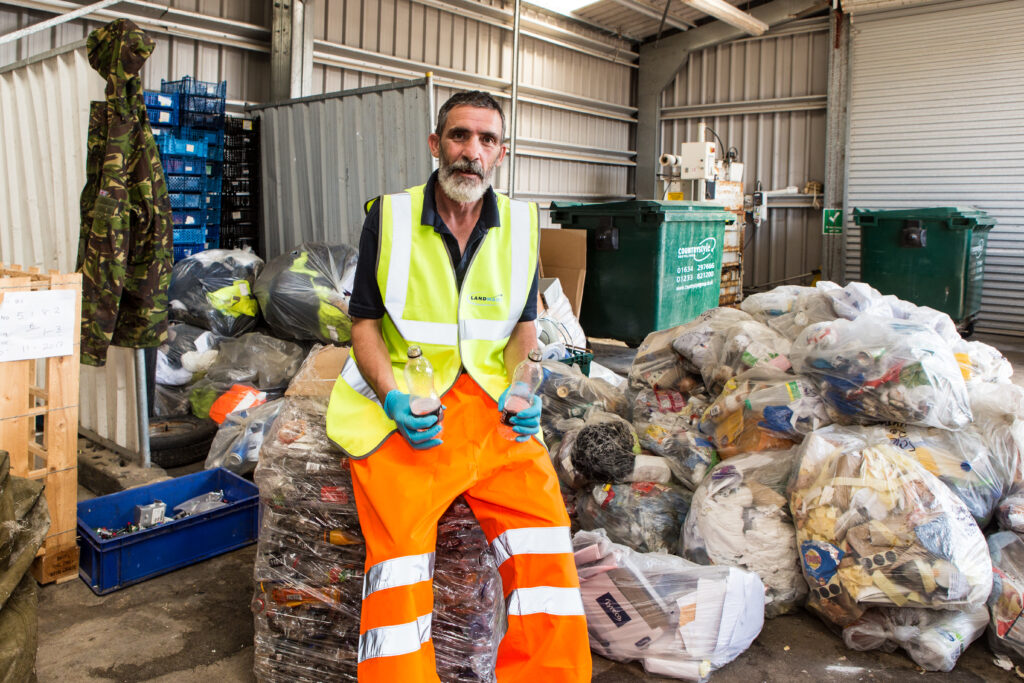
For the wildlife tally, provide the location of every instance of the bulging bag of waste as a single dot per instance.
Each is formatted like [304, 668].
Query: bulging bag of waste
[875, 528]
[677, 618]
[763, 409]
[981, 363]
[960, 460]
[739, 517]
[740, 347]
[567, 393]
[606, 450]
[999, 418]
[304, 293]
[213, 290]
[236, 446]
[658, 366]
[644, 516]
[764, 306]
[1006, 604]
[934, 639]
[876, 369]
[666, 423]
[185, 355]
[699, 342]
[812, 305]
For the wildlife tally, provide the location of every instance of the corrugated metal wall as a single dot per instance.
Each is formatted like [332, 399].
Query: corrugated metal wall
[46, 105]
[765, 96]
[936, 102]
[323, 158]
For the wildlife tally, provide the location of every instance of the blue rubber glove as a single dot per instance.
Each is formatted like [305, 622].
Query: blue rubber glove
[419, 431]
[525, 422]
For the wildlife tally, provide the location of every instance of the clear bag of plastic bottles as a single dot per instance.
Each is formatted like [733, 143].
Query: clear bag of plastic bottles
[875, 528]
[934, 639]
[1006, 603]
[699, 342]
[645, 516]
[677, 618]
[236, 446]
[763, 409]
[310, 562]
[213, 290]
[875, 369]
[666, 423]
[658, 366]
[739, 517]
[304, 293]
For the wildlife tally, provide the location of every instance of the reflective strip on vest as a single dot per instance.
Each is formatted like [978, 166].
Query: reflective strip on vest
[401, 571]
[532, 541]
[413, 331]
[391, 641]
[563, 602]
[350, 373]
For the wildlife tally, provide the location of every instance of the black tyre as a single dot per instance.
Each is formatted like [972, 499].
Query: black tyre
[177, 441]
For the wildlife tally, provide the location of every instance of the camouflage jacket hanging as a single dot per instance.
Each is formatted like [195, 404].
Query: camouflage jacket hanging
[125, 250]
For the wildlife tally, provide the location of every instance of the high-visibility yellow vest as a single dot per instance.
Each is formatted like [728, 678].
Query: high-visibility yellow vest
[456, 328]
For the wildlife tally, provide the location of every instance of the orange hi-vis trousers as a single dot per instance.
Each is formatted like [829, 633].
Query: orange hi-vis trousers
[512, 488]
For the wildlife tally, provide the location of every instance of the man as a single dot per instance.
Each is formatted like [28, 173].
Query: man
[448, 266]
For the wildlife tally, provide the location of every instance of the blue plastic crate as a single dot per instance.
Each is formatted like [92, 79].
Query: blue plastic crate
[161, 131]
[185, 250]
[184, 183]
[188, 218]
[213, 184]
[163, 117]
[174, 146]
[211, 200]
[160, 100]
[212, 138]
[189, 235]
[190, 86]
[180, 200]
[212, 216]
[212, 236]
[186, 166]
[111, 564]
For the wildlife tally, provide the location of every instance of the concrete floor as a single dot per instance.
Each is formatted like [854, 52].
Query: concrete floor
[194, 625]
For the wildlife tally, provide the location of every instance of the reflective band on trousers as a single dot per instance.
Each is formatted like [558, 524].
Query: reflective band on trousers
[401, 571]
[350, 373]
[391, 641]
[532, 541]
[564, 602]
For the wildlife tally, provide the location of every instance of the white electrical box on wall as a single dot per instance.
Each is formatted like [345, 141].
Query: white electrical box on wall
[696, 161]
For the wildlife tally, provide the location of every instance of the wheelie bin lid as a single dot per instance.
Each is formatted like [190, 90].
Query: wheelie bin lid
[953, 217]
[643, 212]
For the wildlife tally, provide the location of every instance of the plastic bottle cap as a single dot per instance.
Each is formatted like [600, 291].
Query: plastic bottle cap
[414, 352]
[535, 356]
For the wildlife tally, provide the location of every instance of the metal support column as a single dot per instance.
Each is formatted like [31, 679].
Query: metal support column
[291, 50]
[833, 251]
[513, 128]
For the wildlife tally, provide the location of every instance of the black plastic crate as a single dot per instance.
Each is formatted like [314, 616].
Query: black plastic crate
[234, 171]
[190, 86]
[248, 230]
[241, 140]
[239, 185]
[237, 124]
[240, 156]
[206, 121]
[203, 105]
[236, 216]
[230, 202]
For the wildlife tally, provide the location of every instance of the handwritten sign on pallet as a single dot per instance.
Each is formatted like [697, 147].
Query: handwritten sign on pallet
[37, 324]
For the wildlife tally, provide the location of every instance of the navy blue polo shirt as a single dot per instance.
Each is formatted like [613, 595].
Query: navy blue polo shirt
[367, 302]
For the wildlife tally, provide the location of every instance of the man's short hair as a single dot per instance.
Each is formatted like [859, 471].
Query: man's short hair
[470, 98]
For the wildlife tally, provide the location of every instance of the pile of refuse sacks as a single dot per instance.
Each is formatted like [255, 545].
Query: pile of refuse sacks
[844, 449]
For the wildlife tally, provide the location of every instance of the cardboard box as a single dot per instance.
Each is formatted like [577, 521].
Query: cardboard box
[563, 254]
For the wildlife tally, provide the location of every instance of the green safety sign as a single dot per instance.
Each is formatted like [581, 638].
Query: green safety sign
[832, 222]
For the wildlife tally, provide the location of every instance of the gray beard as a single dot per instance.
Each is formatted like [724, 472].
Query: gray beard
[463, 190]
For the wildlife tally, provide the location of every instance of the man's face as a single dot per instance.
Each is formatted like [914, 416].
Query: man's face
[468, 151]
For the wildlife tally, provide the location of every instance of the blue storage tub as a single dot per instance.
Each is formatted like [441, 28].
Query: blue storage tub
[181, 200]
[163, 117]
[185, 250]
[179, 166]
[112, 564]
[190, 86]
[189, 235]
[160, 100]
[184, 183]
[177, 147]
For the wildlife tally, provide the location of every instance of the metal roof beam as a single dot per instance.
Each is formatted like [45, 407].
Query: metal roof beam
[652, 13]
[723, 11]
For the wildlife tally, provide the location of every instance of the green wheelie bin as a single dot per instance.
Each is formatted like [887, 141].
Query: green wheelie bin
[932, 256]
[650, 264]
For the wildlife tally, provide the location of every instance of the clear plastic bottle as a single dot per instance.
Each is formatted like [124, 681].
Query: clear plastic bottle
[525, 383]
[419, 376]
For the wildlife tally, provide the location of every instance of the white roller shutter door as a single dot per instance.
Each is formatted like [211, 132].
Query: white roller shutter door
[937, 119]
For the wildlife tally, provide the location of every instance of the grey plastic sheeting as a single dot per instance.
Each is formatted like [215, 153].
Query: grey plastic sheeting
[324, 156]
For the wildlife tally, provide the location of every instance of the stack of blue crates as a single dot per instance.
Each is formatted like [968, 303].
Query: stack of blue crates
[187, 119]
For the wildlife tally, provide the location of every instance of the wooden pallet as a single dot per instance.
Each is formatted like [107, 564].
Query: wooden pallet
[39, 425]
